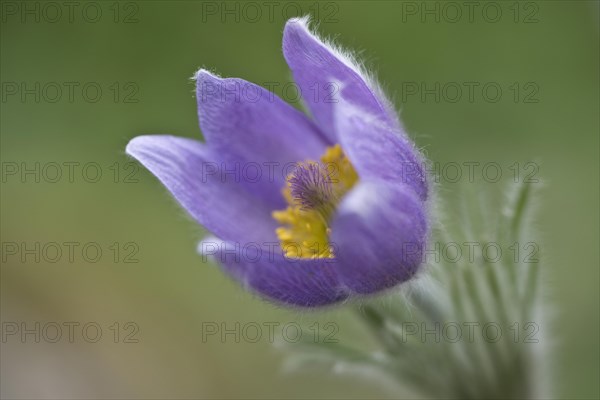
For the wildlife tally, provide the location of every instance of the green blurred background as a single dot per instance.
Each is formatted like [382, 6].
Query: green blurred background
[148, 55]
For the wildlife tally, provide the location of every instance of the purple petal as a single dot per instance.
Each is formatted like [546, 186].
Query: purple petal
[378, 236]
[380, 152]
[263, 270]
[251, 130]
[217, 202]
[323, 74]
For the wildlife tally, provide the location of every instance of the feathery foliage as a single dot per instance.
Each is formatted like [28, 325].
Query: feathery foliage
[470, 326]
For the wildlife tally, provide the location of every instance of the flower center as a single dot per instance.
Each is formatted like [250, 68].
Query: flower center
[313, 191]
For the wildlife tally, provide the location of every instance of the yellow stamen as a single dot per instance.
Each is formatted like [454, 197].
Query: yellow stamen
[305, 231]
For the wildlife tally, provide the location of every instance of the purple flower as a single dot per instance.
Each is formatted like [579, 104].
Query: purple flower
[348, 219]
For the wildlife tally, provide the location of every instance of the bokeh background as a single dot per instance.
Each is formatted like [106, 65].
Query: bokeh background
[142, 55]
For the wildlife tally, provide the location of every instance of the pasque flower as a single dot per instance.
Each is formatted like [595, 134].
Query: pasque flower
[348, 219]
